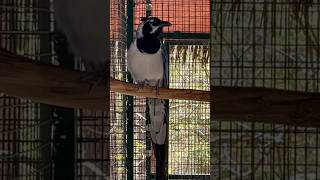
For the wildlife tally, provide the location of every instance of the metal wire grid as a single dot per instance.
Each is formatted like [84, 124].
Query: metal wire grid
[19, 28]
[189, 133]
[140, 139]
[118, 42]
[271, 44]
[140, 151]
[21, 147]
[188, 16]
[174, 14]
[92, 139]
[189, 121]
[20, 154]
[139, 11]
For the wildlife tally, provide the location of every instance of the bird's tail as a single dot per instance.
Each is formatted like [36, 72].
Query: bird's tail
[158, 124]
[158, 131]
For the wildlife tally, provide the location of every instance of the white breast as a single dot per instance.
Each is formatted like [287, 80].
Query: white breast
[144, 66]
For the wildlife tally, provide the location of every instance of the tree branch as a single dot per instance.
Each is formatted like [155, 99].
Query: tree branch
[165, 93]
[267, 105]
[53, 85]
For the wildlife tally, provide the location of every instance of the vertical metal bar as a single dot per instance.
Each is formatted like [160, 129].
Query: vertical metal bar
[148, 8]
[129, 99]
[166, 84]
[106, 124]
[3, 43]
[64, 143]
[211, 144]
[253, 158]
[64, 132]
[13, 138]
[45, 110]
[148, 135]
[148, 145]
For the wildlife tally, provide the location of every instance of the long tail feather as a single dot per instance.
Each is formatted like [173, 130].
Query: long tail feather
[161, 164]
[158, 132]
[158, 124]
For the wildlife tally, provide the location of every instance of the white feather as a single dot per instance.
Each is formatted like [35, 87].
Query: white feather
[154, 28]
[85, 24]
[158, 129]
[144, 66]
[139, 31]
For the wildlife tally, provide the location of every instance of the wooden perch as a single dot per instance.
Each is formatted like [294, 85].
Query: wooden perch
[54, 85]
[165, 93]
[48, 84]
[267, 105]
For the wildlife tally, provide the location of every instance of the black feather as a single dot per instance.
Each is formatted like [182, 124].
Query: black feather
[144, 19]
[149, 43]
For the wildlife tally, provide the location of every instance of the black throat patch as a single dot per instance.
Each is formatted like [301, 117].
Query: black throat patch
[149, 43]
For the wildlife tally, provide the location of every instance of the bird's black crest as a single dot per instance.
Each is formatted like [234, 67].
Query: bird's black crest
[144, 19]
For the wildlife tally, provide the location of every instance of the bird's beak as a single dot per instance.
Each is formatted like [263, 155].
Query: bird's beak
[165, 23]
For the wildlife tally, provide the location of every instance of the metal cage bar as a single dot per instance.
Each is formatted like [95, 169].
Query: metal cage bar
[272, 44]
[182, 33]
[26, 128]
[120, 33]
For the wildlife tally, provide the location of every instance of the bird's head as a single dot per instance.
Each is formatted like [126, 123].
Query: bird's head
[151, 26]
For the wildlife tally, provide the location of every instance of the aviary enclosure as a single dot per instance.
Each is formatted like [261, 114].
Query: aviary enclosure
[259, 58]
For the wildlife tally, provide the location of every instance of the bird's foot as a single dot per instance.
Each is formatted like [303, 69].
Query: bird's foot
[140, 84]
[157, 87]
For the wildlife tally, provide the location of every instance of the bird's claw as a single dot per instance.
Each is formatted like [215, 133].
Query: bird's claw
[140, 84]
[157, 89]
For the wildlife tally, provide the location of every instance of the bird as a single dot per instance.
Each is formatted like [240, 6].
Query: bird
[146, 60]
[84, 23]
[146, 66]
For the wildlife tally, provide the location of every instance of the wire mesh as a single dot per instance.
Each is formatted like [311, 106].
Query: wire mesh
[26, 136]
[188, 16]
[118, 43]
[188, 154]
[92, 137]
[21, 147]
[19, 136]
[189, 151]
[141, 153]
[272, 44]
